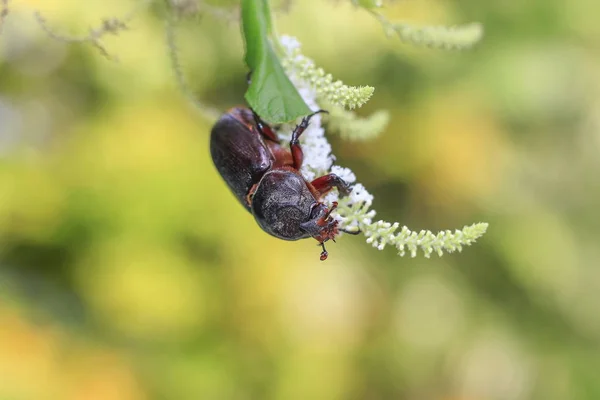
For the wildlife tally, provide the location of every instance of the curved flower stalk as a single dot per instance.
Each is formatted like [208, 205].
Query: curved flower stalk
[441, 37]
[354, 212]
[336, 97]
[334, 92]
[4, 10]
[352, 127]
[210, 113]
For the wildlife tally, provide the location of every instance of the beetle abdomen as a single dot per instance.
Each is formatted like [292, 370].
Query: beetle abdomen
[239, 154]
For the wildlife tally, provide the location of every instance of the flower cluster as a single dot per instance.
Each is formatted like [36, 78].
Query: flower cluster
[354, 211]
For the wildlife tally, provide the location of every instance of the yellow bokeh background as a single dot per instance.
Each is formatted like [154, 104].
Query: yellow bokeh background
[128, 270]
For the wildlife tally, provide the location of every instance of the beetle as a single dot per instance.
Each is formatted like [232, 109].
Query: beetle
[265, 177]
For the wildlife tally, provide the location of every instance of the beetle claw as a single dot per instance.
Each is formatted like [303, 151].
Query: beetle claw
[324, 253]
[345, 191]
[319, 112]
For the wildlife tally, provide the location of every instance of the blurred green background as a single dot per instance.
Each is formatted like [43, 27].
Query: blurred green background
[128, 271]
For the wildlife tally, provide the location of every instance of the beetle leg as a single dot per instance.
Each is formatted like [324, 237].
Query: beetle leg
[295, 148]
[251, 194]
[264, 129]
[327, 182]
[331, 209]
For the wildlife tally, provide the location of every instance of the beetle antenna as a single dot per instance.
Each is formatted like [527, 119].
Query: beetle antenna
[324, 253]
[356, 232]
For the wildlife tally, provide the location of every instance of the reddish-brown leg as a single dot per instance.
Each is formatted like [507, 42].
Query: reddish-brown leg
[295, 148]
[327, 182]
[264, 128]
[324, 253]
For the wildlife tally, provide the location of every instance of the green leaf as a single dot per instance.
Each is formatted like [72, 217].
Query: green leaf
[271, 93]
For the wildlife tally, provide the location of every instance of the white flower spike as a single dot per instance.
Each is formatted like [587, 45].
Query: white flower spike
[354, 211]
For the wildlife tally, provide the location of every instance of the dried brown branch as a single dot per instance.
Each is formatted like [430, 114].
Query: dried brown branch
[187, 8]
[112, 26]
[109, 26]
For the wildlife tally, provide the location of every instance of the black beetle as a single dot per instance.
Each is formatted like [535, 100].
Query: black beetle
[265, 178]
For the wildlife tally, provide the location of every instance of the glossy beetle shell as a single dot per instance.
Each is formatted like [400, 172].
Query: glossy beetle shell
[265, 178]
[240, 155]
